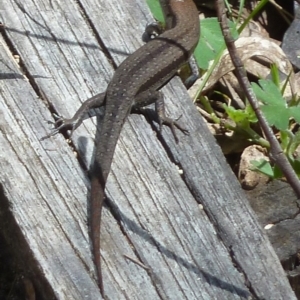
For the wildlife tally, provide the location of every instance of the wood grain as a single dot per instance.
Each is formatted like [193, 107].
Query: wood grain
[68, 50]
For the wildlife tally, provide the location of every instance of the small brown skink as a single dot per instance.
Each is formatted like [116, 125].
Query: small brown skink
[135, 83]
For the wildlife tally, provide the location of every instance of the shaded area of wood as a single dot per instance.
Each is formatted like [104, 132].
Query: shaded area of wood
[18, 267]
[277, 205]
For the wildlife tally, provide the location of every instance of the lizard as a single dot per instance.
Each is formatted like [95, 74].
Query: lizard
[135, 83]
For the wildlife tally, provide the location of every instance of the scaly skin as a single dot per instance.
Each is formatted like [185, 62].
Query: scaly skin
[136, 83]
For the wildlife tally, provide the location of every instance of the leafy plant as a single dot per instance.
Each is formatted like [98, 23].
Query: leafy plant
[279, 114]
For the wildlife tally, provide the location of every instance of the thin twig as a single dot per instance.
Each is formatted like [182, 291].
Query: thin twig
[276, 153]
[136, 262]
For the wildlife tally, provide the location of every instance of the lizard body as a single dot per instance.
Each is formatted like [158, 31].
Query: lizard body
[136, 83]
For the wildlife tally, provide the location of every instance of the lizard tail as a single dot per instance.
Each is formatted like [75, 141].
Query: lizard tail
[97, 199]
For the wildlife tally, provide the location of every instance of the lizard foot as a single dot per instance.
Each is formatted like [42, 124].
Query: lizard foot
[61, 123]
[164, 120]
[152, 31]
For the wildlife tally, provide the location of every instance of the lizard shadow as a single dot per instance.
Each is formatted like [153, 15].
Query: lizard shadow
[192, 267]
[137, 229]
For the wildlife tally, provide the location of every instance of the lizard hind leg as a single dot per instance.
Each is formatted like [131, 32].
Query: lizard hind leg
[150, 97]
[165, 120]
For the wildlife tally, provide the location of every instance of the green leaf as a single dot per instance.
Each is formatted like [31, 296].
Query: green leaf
[263, 166]
[250, 113]
[285, 138]
[294, 143]
[275, 108]
[295, 113]
[275, 75]
[241, 116]
[268, 93]
[276, 116]
[211, 41]
[236, 115]
[156, 10]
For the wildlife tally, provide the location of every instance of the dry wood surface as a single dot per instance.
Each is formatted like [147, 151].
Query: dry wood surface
[195, 232]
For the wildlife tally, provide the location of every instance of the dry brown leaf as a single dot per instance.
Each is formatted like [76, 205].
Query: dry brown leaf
[248, 178]
[257, 54]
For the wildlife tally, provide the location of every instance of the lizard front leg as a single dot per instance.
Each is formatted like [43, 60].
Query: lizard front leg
[98, 101]
[81, 114]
